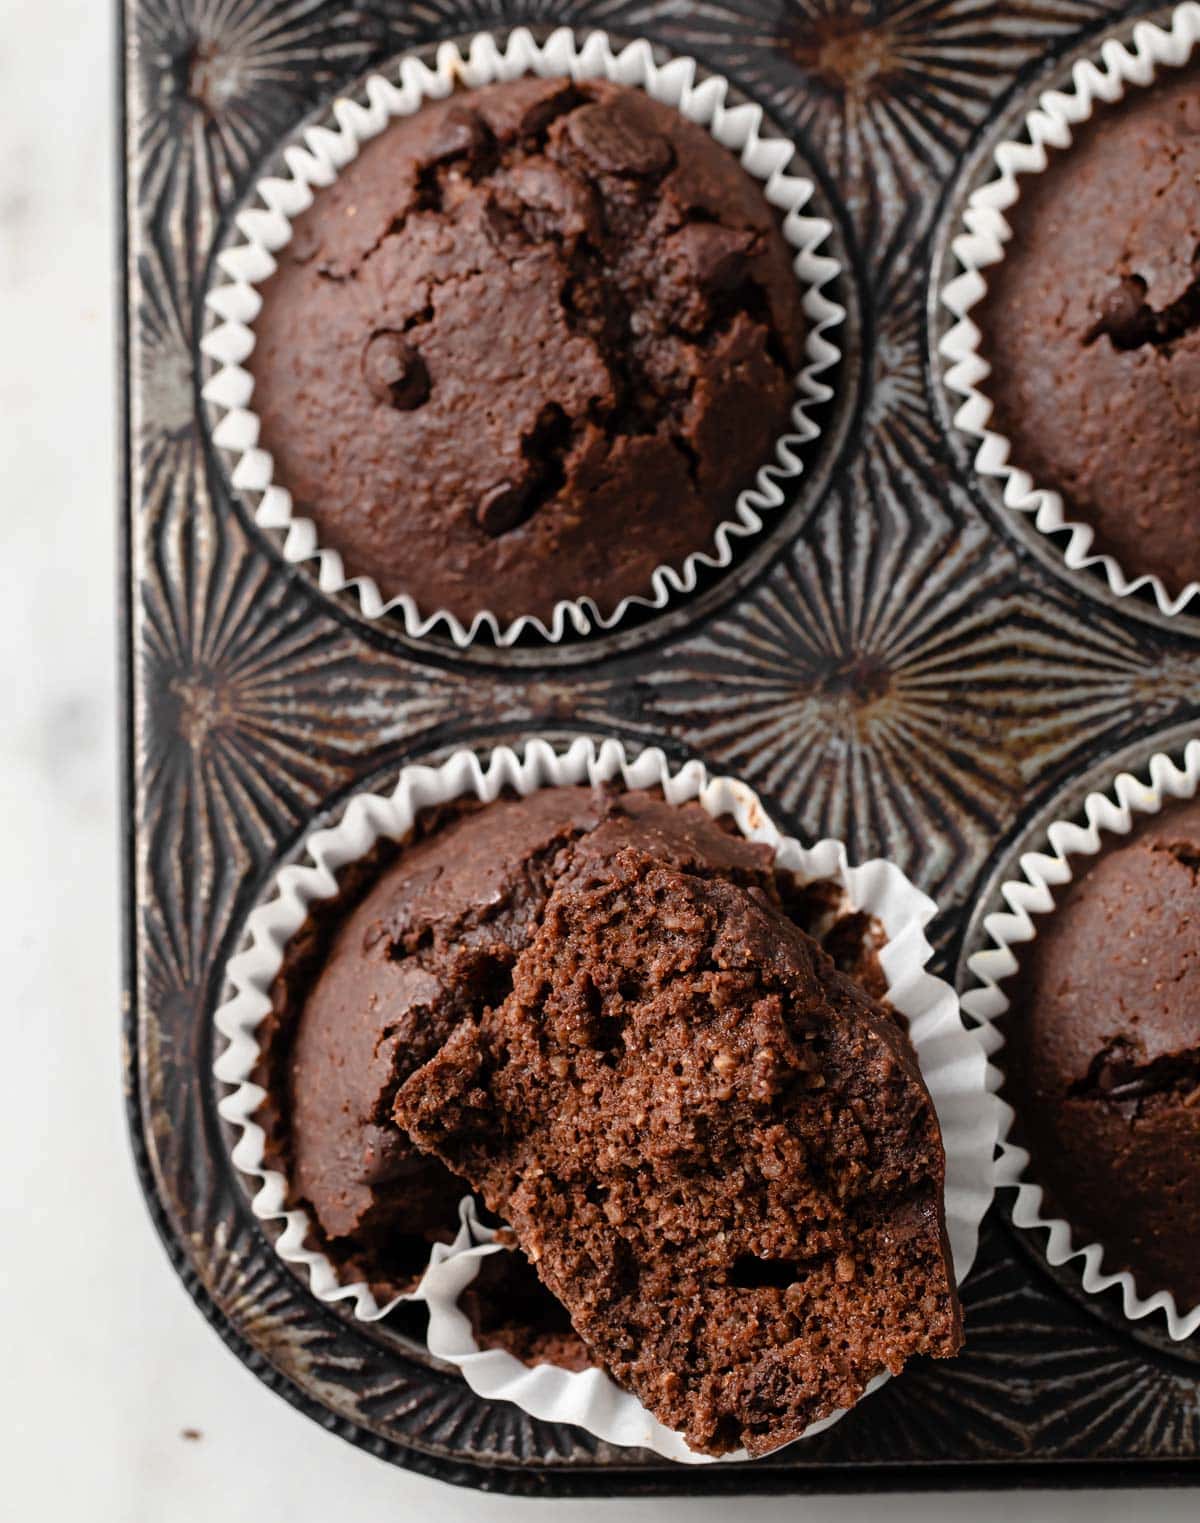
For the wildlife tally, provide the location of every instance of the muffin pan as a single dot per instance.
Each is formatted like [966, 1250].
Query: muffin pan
[892, 662]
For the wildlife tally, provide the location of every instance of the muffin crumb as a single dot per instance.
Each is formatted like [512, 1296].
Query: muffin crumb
[696, 1215]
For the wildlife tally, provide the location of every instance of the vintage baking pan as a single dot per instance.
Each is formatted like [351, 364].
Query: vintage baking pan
[899, 660]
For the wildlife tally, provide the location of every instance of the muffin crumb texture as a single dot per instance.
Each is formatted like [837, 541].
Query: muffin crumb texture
[1091, 327]
[1105, 1045]
[715, 1148]
[426, 937]
[528, 347]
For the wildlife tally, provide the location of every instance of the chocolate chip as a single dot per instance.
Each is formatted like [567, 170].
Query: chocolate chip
[613, 142]
[555, 97]
[1129, 321]
[552, 194]
[461, 134]
[501, 508]
[394, 371]
[713, 255]
[1124, 316]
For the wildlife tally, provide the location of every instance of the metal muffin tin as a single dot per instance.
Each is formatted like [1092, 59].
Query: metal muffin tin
[897, 661]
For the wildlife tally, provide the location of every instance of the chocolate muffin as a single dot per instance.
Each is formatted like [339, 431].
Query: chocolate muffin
[418, 938]
[1091, 326]
[529, 346]
[1104, 1053]
[716, 1149]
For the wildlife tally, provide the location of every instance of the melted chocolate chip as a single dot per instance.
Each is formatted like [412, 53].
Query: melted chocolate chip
[501, 509]
[461, 134]
[1130, 322]
[394, 371]
[715, 256]
[615, 144]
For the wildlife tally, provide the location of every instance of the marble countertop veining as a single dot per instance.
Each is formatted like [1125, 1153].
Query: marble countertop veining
[118, 1404]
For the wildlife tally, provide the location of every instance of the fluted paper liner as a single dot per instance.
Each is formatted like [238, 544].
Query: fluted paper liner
[952, 1059]
[981, 245]
[1107, 814]
[266, 228]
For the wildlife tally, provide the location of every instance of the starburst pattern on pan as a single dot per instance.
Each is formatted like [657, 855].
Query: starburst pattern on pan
[449, 1415]
[1113, 1403]
[163, 393]
[982, 1394]
[858, 686]
[890, 683]
[897, 419]
[216, 82]
[255, 1290]
[886, 92]
[431, 20]
[1105, 681]
[248, 699]
[1096, 1393]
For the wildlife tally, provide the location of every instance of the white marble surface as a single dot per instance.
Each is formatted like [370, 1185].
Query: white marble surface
[105, 1362]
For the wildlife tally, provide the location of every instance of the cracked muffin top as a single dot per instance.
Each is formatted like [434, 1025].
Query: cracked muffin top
[1104, 1054]
[426, 937]
[430, 943]
[529, 346]
[1092, 328]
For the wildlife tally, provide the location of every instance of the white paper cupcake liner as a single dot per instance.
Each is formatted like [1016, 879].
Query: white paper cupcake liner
[266, 228]
[1107, 814]
[1100, 81]
[952, 1059]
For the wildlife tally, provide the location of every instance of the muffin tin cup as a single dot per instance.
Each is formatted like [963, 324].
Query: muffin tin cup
[952, 1059]
[982, 244]
[1108, 815]
[234, 303]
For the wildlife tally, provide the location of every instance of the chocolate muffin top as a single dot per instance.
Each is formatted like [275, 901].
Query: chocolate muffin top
[423, 939]
[431, 943]
[1104, 1053]
[528, 347]
[717, 1151]
[1091, 326]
